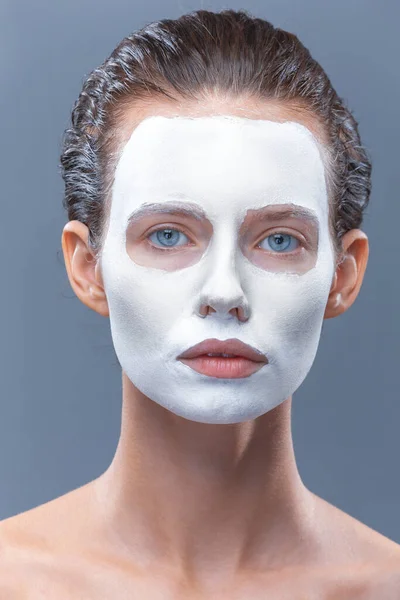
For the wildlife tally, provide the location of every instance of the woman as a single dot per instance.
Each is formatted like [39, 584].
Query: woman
[215, 188]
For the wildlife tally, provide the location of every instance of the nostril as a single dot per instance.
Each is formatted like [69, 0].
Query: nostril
[205, 310]
[243, 314]
[237, 312]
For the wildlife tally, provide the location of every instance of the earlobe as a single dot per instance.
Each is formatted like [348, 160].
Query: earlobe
[80, 264]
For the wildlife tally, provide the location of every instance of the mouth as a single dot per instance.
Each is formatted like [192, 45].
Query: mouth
[230, 359]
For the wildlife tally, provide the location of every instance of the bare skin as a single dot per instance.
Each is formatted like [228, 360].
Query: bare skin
[193, 510]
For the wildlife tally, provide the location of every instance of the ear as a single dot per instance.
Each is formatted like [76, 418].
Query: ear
[82, 268]
[349, 273]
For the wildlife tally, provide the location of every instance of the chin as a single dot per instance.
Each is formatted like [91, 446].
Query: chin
[221, 413]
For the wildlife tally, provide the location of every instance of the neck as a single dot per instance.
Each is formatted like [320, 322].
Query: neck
[207, 499]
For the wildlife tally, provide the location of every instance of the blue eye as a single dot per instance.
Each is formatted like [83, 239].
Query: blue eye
[168, 237]
[280, 241]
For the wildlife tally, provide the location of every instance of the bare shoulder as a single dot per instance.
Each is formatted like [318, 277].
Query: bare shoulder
[384, 581]
[41, 525]
[14, 565]
[369, 562]
[347, 533]
[32, 543]
[375, 581]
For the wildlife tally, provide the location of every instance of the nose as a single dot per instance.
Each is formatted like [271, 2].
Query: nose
[222, 292]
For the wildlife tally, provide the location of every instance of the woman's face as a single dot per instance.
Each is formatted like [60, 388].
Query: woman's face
[211, 214]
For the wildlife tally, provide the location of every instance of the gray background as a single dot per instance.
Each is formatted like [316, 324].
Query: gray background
[60, 385]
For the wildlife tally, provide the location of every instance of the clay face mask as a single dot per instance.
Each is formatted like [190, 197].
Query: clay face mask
[221, 212]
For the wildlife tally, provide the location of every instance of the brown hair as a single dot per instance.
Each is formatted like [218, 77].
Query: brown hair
[186, 58]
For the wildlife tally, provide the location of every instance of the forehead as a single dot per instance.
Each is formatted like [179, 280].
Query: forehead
[218, 159]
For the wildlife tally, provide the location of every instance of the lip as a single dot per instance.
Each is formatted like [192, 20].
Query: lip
[245, 362]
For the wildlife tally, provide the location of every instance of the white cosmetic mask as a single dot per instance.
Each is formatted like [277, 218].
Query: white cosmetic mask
[227, 167]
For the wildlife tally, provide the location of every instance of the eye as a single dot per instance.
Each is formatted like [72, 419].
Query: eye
[167, 237]
[280, 241]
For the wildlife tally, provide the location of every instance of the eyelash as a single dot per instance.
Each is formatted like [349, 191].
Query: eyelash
[159, 249]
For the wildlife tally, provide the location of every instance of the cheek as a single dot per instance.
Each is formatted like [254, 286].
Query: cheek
[291, 307]
[145, 299]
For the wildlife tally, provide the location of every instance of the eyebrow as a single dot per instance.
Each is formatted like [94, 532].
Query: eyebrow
[285, 211]
[172, 208]
[267, 213]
